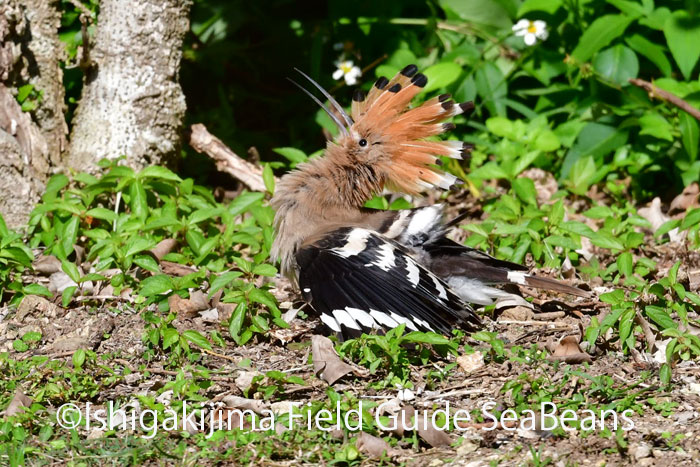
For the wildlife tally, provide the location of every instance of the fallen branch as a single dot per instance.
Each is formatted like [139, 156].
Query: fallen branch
[226, 160]
[655, 92]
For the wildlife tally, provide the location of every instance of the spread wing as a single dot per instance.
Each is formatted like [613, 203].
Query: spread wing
[360, 281]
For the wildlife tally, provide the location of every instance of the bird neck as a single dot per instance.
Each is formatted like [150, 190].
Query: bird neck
[329, 190]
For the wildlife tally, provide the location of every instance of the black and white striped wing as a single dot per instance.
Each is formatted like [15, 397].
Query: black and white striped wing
[360, 281]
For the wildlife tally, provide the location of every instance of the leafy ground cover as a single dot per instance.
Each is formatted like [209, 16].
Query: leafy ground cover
[154, 291]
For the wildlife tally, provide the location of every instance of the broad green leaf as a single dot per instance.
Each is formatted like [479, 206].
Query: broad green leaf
[269, 178]
[500, 126]
[294, 155]
[654, 124]
[38, 289]
[655, 53]
[492, 87]
[483, 12]
[147, 262]
[265, 270]
[615, 297]
[170, 336]
[690, 135]
[102, 213]
[625, 263]
[137, 245]
[244, 201]
[54, 185]
[596, 140]
[682, 33]
[71, 270]
[196, 338]
[157, 171]
[441, 75]
[599, 34]
[79, 358]
[70, 234]
[525, 189]
[222, 280]
[632, 9]
[236, 323]
[263, 297]
[547, 6]
[138, 201]
[617, 64]
[690, 219]
[605, 240]
[660, 316]
[156, 285]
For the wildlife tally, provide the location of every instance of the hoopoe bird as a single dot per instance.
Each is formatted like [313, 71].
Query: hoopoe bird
[366, 270]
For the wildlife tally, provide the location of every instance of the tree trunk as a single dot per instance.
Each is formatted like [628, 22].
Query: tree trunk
[30, 142]
[132, 103]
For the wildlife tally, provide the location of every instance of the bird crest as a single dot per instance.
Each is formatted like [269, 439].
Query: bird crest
[384, 133]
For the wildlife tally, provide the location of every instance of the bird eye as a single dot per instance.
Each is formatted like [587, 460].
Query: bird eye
[363, 143]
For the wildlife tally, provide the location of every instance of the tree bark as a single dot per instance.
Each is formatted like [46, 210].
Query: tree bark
[30, 143]
[132, 103]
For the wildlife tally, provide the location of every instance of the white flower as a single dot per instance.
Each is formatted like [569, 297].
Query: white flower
[531, 30]
[348, 70]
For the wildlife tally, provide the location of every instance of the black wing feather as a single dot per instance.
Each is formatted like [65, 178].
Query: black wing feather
[334, 279]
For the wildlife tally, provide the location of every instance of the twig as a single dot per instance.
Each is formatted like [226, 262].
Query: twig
[655, 92]
[226, 160]
[225, 357]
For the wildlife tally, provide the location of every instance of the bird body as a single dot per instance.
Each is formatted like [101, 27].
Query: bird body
[365, 269]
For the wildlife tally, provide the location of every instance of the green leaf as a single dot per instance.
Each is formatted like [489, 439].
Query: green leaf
[263, 297]
[170, 336]
[690, 219]
[487, 13]
[682, 33]
[102, 213]
[70, 234]
[79, 358]
[655, 125]
[55, 184]
[244, 201]
[19, 346]
[581, 175]
[501, 126]
[655, 53]
[690, 135]
[665, 374]
[525, 190]
[71, 270]
[156, 285]
[596, 140]
[492, 87]
[156, 171]
[23, 92]
[236, 323]
[660, 316]
[599, 34]
[605, 240]
[31, 336]
[37, 289]
[294, 155]
[547, 6]
[196, 338]
[147, 262]
[222, 280]
[615, 297]
[67, 295]
[625, 263]
[617, 64]
[269, 178]
[138, 201]
[441, 75]
[136, 245]
[265, 270]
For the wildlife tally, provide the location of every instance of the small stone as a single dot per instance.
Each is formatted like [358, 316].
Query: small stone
[640, 451]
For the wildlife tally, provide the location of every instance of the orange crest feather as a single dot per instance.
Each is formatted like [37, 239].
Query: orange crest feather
[385, 111]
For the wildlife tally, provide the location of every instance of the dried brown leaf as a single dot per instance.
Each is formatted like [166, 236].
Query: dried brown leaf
[17, 404]
[327, 364]
[569, 351]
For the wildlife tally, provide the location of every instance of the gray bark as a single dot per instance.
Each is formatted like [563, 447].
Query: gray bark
[29, 143]
[132, 103]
